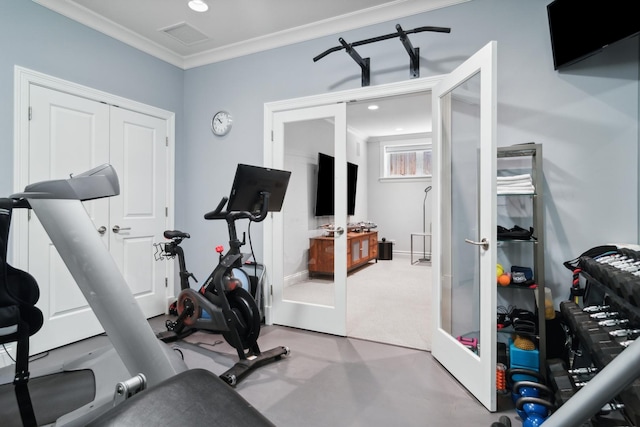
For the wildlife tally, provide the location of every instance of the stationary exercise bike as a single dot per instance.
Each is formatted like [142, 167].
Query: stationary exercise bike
[138, 380]
[222, 304]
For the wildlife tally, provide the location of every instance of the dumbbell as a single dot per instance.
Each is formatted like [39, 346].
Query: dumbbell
[595, 308]
[627, 333]
[604, 315]
[613, 322]
[503, 421]
[611, 407]
[560, 378]
[610, 258]
[626, 343]
[606, 351]
[583, 371]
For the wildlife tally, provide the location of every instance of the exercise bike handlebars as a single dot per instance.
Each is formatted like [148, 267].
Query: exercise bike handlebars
[218, 213]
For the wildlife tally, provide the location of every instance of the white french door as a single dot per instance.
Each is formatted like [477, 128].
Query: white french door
[72, 134]
[299, 301]
[465, 236]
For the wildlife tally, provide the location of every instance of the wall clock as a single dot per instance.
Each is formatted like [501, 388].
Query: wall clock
[221, 123]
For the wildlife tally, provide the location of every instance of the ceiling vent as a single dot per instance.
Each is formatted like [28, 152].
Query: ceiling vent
[185, 34]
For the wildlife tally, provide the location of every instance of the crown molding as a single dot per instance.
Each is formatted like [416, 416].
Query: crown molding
[374, 15]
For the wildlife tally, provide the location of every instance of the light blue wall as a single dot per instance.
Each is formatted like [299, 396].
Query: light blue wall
[33, 37]
[586, 117]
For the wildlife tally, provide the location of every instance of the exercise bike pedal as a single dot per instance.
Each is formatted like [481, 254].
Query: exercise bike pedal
[238, 371]
[171, 335]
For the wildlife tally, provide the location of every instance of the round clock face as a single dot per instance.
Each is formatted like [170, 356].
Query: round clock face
[221, 123]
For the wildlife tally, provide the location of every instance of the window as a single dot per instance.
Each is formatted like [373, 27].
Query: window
[407, 161]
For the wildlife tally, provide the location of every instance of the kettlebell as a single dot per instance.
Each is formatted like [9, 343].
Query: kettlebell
[535, 410]
[511, 373]
[525, 389]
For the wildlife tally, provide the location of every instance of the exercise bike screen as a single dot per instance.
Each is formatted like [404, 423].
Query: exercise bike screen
[250, 181]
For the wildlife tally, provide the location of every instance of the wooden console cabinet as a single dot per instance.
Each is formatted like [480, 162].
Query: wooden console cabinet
[361, 248]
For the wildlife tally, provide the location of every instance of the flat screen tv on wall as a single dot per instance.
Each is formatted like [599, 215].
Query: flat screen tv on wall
[326, 186]
[580, 29]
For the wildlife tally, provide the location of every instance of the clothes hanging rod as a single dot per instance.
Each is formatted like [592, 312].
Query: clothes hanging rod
[384, 37]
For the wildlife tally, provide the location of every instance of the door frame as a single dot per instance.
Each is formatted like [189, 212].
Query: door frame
[271, 156]
[23, 79]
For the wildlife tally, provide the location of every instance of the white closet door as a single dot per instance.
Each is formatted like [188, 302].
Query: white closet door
[138, 154]
[67, 134]
[71, 134]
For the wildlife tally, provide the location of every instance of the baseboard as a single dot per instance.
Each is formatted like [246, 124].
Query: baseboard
[300, 276]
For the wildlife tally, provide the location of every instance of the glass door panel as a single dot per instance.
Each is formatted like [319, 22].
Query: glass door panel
[309, 283]
[464, 271]
[463, 320]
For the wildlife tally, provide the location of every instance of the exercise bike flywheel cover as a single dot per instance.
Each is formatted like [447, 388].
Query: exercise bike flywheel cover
[242, 277]
[184, 299]
[248, 317]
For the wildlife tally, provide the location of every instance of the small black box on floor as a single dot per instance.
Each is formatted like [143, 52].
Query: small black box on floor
[385, 250]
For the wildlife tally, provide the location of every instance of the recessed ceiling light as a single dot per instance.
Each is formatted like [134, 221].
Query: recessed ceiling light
[373, 107]
[399, 129]
[198, 5]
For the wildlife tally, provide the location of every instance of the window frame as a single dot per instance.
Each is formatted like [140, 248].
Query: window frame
[389, 147]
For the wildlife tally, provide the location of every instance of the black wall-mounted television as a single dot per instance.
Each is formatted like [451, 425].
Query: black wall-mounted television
[326, 186]
[581, 28]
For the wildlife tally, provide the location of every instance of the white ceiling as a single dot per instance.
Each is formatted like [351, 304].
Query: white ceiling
[230, 28]
[170, 31]
[397, 115]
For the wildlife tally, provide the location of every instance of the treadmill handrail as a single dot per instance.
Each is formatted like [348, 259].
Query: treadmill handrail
[101, 181]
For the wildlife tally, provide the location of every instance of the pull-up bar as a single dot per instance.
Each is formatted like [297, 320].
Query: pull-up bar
[364, 63]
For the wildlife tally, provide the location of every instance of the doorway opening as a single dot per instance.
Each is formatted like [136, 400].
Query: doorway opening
[388, 301]
[387, 298]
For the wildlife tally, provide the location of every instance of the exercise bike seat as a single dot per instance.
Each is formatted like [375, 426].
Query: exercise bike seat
[172, 234]
[195, 397]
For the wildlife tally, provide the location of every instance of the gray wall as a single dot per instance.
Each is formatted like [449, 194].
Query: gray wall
[586, 117]
[397, 206]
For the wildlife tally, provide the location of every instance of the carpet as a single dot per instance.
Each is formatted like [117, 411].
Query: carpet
[387, 302]
[390, 302]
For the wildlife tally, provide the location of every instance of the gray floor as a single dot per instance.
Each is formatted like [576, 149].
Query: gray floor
[333, 381]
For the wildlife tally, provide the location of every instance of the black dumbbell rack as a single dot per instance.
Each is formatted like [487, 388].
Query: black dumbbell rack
[601, 328]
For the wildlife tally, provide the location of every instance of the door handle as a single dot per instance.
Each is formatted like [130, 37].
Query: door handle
[102, 229]
[484, 243]
[117, 228]
[339, 231]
